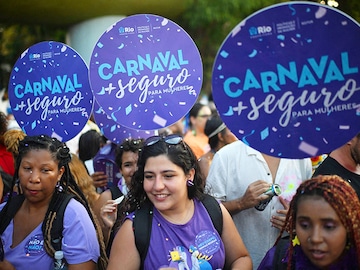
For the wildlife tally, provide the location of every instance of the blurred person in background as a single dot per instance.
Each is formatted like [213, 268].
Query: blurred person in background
[90, 143]
[219, 135]
[239, 176]
[83, 180]
[195, 137]
[344, 162]
[126, 158]
[7, 164]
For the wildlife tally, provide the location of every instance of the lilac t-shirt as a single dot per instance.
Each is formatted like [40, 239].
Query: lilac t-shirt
[194, 245]
[79, 244]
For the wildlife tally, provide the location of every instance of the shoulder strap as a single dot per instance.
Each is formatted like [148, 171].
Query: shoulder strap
[9, 211]
[57, 226]
[280, 252]
[115, 192]
[143, 221]
[142, 229]
[214, 210]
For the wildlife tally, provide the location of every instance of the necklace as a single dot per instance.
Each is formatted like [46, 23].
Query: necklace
[181, 218]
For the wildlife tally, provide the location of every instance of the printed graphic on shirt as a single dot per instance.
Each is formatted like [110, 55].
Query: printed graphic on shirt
[198, 255]
[35, 246]
[288, 185]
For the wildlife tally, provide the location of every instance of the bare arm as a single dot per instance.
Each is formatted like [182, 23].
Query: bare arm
[124, 254]
[6, 265]
[90, 265]
[237, 256]
[253, 195]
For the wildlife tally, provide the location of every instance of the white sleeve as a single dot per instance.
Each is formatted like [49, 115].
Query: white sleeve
[216, 180]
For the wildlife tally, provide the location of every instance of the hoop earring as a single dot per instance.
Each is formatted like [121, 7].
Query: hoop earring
[189, 183]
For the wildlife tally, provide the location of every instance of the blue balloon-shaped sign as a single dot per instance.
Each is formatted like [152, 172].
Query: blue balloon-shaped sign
[286, 80]
[114, 131]
[145, 72]
[49, 91]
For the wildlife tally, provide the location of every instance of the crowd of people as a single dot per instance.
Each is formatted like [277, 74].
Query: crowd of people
[188, 198]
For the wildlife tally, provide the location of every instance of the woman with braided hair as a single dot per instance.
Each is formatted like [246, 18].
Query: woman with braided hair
[42, 169]
[323, 224]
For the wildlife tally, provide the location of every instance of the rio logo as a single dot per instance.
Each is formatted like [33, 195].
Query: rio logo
[126, 30]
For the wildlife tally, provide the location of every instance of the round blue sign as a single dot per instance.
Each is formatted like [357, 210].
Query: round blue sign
[49, 91]
[145, 72]
[286, 79]
[113, 131]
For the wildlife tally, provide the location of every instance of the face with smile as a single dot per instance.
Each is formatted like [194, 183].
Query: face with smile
[199, 121]
[165, 183]
[38, 175]
[128, 165]
[321, 234]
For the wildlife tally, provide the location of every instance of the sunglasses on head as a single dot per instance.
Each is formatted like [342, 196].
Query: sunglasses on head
[172, 139]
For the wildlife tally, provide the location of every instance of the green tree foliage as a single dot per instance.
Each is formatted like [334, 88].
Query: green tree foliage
[14, 39]
[208, 22]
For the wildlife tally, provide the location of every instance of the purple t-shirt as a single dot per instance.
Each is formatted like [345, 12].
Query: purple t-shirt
[79, 244]
[194, 245]
[347, 261]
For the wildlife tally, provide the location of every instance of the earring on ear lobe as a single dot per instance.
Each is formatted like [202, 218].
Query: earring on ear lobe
[59, 187]
[348, 244]
[296, 241]
[189, 183]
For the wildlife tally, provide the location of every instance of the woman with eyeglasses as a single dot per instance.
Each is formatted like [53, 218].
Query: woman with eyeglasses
[195, 136]
[182, 236]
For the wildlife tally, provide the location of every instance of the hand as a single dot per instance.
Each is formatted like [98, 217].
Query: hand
[99, 179]
[279, 220]
[254, 194]
[108, 213]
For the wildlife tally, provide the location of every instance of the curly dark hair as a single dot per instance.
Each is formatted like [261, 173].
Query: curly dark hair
[179, 154]
[341, 197]
[127, 145]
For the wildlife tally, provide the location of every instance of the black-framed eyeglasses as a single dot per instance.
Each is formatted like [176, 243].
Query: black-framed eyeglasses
[172, 139]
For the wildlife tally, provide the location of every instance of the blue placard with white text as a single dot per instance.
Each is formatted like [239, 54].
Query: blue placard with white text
[49, 91]
[286, 80]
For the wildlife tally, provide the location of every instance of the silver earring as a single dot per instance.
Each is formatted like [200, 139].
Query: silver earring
[309, 239]
[59, 187]
[189, 183]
